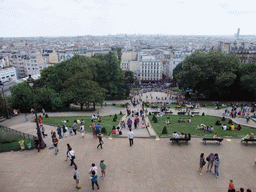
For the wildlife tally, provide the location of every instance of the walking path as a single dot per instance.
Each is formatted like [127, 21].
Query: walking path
[149, 165]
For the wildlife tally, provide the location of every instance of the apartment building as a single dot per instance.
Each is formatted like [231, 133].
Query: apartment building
[8, 74]
[151, 69]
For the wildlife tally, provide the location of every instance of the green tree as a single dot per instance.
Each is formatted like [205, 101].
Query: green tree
[129, 77]
[81, 89]
[210, 73]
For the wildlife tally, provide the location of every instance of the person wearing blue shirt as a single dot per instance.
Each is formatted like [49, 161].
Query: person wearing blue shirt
[94, 180]
[98, 126]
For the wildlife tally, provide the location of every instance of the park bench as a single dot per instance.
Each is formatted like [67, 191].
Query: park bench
[168, 113]
[178, 140]
[195, 112]
[248, 140]
[2, 118]
[181, 113]
[212, 139]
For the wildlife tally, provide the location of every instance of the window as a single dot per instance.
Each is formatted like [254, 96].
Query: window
[28, 64]
[35, 64]
[12, 75]
[32, 64]
[28, 68]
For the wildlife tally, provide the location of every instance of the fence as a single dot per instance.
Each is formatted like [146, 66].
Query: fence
[25, 135]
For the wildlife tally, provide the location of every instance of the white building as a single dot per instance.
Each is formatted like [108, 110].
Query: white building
[151, 69]
[170, 66]
[8, 74]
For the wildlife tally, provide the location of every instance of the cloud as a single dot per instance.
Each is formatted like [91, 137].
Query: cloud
[237, 13]
[224, 5]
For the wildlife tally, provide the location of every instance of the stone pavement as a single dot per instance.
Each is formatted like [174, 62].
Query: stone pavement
[149, 166]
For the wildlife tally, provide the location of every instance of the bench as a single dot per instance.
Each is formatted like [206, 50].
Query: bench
[177, 140]
[181, 113]
[248, 140]
[195, 112]
[212, 139]
[2, 119]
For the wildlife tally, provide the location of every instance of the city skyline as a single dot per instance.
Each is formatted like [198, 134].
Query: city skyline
[27, 18]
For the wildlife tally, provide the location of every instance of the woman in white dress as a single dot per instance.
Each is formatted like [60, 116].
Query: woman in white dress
[82, 130]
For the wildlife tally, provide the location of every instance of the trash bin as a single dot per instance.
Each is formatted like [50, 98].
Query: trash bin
[28, 142]
[22, 146]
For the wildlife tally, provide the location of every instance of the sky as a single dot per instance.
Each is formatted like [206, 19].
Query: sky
[32, 18]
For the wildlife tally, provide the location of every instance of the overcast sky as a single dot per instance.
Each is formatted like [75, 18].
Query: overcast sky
[26, 18]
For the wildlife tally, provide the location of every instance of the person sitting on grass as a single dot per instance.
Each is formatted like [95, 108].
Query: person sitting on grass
[211, 129]
[183, 120]
[189, 120]
[179, 120]
[207, 130]
[217, 122]
[238, 128]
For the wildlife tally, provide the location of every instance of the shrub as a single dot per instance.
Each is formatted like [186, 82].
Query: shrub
[203, 114]
[230, 121]
[46, 115]
[9, 137]
[223, 119]
[103, 130]
[155, 120]
[164, 132]
[121, 113]
[149, 113]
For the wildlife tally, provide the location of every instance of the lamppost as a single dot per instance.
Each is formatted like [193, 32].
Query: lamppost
[30, 82]
[6, 111]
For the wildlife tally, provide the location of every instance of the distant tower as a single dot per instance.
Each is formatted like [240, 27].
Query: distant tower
[238, 32]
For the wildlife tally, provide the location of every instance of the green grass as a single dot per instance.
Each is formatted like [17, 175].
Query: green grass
[191, 128]
[107, 122]
[13, 145]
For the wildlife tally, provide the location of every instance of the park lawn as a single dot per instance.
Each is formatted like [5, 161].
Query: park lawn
[191, 128]
[107, 122]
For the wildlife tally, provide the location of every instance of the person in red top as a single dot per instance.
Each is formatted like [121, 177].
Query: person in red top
[40, 121]
[231, 187]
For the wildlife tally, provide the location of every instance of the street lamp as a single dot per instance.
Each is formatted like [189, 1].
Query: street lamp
[6, 111]
[30, 82]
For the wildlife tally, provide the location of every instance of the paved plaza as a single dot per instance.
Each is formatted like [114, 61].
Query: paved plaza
[149, 165]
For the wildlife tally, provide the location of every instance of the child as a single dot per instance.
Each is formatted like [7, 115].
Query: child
[76, 177]
[93, 168]
[94, 180]
[70, 131]
[103, 167]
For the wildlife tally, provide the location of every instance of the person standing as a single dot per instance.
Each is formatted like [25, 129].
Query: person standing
[55, 144]
[202, 163]
[93, 168]
[94, 131]
[94, 180]
[82, 130]
[43, 111]
[37, 144]
[68, 149]
[97, 127]
[43, 130]
[76, 177]
[72, 157]
[231, 187]
[210, 162]
[59, 131]
[74, 126]
[103, 167]
[254, 165]
[216, 165]
[100, 141]
[26, 117]
[130, 135]
[129, 123]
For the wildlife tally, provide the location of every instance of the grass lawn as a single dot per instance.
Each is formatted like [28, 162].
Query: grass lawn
[106, 122]
[14, 145]
[191, 128]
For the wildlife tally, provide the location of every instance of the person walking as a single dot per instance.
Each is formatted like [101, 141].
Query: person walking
[72, 157]
[74, 126]
[26, 117]
[97, 127]
[94, 180]
[103, 167]
[94, 131]
[59, 131]
[43, 111]
[76, 177]
[210, 160]
[100, 141]
[130, 135]
[55, 144]
[68, 149]
[202, 163]
[216, 165]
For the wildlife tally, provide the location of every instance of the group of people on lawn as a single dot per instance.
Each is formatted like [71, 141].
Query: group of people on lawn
[184, 120]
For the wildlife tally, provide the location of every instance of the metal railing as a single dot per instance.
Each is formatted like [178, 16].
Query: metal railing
[25, 135]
